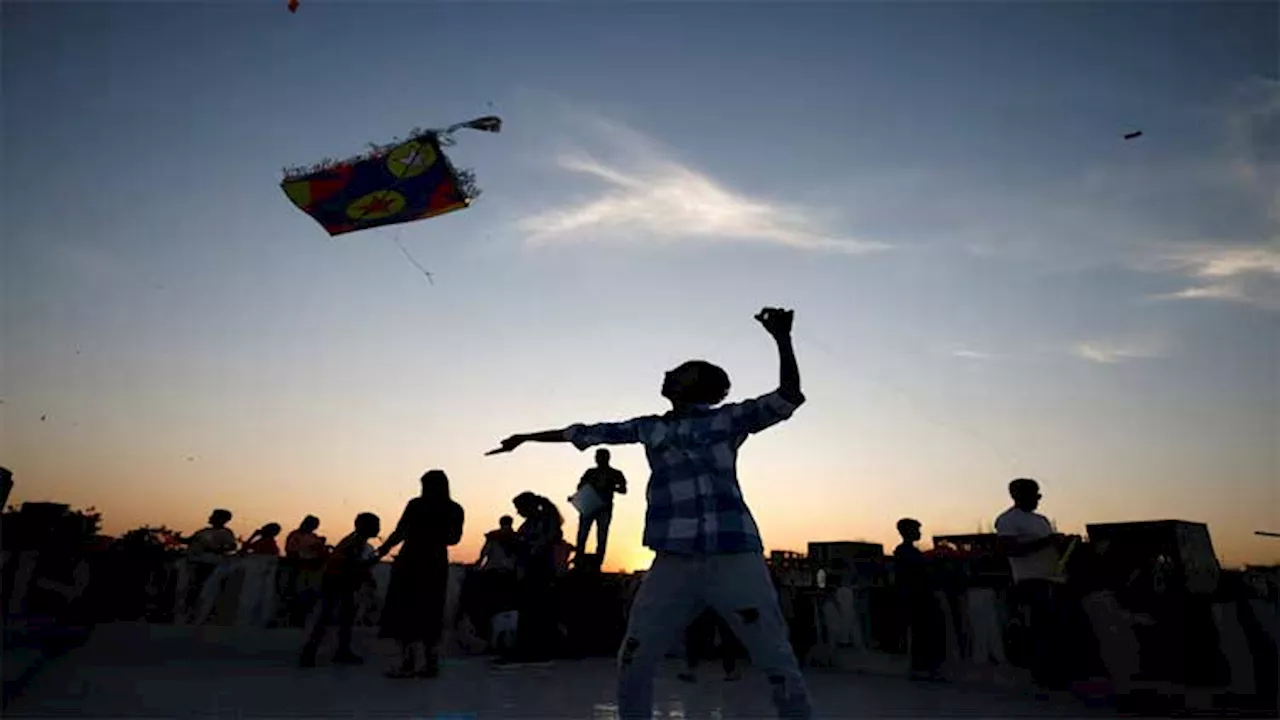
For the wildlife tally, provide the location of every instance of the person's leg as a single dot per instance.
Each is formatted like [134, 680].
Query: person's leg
[318, 628]
[669, 598]
[603, 519]
[346, 612]
[584, 531]
[739, 588]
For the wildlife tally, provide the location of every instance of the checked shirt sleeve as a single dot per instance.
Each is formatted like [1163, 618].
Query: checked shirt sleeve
[752, 416]
[617, 433]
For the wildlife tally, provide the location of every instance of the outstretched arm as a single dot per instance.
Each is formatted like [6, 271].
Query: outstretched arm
[582, 436]
[516, 441]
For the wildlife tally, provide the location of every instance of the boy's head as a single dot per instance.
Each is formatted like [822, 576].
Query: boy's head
[602, 457]
[909, 529]
[368, 525]
[219, 518]
[1025, 493]
[270, 530]
[505, 522]
[309, 523]
[526, 504]
[696, 382]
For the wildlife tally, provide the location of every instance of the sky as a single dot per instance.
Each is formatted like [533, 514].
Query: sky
[989, 281]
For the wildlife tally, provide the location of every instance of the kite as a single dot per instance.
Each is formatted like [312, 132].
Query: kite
[1132, 135]
[395, 183]
[293, 6]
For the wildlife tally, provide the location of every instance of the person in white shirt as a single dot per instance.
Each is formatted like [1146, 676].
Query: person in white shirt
[1034, 552]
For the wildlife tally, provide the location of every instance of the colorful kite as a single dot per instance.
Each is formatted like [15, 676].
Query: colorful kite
[395, 183]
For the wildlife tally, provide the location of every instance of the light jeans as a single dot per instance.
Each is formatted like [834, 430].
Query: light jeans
[674, 592]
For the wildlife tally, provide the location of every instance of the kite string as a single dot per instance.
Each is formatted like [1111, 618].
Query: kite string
[409, 256]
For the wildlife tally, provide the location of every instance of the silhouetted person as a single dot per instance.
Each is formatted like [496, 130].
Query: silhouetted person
[708, 547]
[605, 480]
[540, 534]
[414, 609]
[346, 571]
[923, 614]
[205, 551]
[304, 555]
[304, 543]
[499, 551]
[699, 643]
[6, 486]
[1033, 549]
[263, 541]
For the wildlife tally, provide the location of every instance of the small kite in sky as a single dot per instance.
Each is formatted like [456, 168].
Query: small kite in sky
[395, 183]
[1132, 135]
[293, 6]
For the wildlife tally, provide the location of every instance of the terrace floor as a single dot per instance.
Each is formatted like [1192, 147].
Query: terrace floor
[128, 669]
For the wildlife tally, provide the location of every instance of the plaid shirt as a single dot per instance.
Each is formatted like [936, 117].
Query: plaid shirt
[695, 503]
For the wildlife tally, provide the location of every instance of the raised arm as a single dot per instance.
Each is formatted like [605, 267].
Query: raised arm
[778, 324]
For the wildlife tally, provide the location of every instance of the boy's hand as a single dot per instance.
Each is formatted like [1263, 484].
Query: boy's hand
[507, 445]
[776, 321]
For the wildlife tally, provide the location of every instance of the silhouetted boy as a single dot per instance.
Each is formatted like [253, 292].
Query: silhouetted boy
[345, 572]
[708, 547]
[923, 614]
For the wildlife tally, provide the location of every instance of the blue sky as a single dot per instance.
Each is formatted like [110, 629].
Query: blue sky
[988, 279]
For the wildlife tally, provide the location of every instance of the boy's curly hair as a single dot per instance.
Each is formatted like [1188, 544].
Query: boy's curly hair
[711, 384]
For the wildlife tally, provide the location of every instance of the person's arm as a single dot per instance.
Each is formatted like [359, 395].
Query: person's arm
[397, 536]
[584, 481]
[484, 553]
[516, 441]
[777, 323]
[582, 436]
[620, 486]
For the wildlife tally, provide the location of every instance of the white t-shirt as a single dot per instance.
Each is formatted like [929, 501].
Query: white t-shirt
[1027, 526]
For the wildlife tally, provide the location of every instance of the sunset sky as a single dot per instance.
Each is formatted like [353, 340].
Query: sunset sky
[989, 281]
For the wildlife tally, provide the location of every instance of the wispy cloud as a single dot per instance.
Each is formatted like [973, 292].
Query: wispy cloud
[972, 354]
[1111, 352]
[649, 195]
[1249, 274]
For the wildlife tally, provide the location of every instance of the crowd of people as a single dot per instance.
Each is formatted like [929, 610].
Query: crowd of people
[709, 577]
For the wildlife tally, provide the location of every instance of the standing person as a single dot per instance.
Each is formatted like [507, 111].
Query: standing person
[1033, 549]
[708, 547]
[345, 572]
[414, 610]
[924, 616]
[605, 480]
[304, 555]
[540, 534]
[206, 550]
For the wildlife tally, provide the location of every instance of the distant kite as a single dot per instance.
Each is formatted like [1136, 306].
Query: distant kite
[1132, 135]
[293, 6]
[394, 183]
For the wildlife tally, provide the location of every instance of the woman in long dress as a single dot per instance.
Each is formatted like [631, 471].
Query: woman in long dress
[414, 609]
